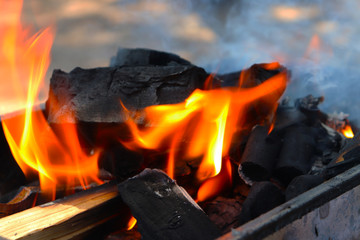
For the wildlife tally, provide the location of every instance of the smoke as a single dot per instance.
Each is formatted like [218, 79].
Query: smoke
[317, 40]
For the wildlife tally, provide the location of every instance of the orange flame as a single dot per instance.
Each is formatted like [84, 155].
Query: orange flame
[206, 120]
[347, 131]
[215, 185]
[131, 224]
[35, 145]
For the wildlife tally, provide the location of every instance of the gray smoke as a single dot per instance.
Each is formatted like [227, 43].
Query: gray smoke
[220, 36]
[317, 40]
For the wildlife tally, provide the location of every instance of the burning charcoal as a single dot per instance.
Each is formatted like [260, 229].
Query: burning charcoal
[124, 235]
[93, 95]
[309, 106]
[287, 116]
[347, 158]
[301, 184]
[145, 57]
[11, 176]
[309, 103]
[229, 79]
[337, 121]
[263, 196]
[224, 212]
[328, 140]
[115, 160]
[163, 209]
[296, 153]
[260, 111]
[252, 76]
[260, 155]
[119, 161]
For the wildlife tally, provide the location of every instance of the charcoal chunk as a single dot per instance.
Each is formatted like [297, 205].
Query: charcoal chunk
[292, 161]
[145, 57]
[301, 184]
[263, 196]
[251, 77]
[260, 154]
[94, 95]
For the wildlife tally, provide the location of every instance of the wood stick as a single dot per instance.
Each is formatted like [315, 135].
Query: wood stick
[163, 209]
[67, 218]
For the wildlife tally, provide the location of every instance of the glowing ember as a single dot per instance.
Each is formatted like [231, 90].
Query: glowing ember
[347, 131]
[206, 121]
[56, 157]
[131, 224]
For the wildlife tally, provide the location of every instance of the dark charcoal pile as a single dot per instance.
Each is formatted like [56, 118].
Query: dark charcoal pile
[269, 167]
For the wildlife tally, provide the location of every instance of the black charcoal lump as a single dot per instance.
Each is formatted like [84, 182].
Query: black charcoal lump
[94, 95]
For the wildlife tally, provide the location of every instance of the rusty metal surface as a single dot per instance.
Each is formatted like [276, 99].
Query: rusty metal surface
[337, 219]
[309, 210]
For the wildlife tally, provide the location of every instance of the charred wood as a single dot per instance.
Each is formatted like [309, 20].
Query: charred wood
[163, 209]
[94, 95]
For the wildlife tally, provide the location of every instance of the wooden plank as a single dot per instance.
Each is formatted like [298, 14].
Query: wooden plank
[67, 218]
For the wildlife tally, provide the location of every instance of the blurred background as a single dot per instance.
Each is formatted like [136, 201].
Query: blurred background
[318, 40]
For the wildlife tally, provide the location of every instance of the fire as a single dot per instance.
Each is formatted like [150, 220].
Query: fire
[347, 131]
[131, 224]
[203, 125]
[199, 129]
[54, 153]
[215, 185]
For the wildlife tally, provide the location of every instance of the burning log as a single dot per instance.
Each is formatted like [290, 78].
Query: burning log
[292, 162]
[260, 155]
[67, 218]
[93, 95]
[163, 209]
